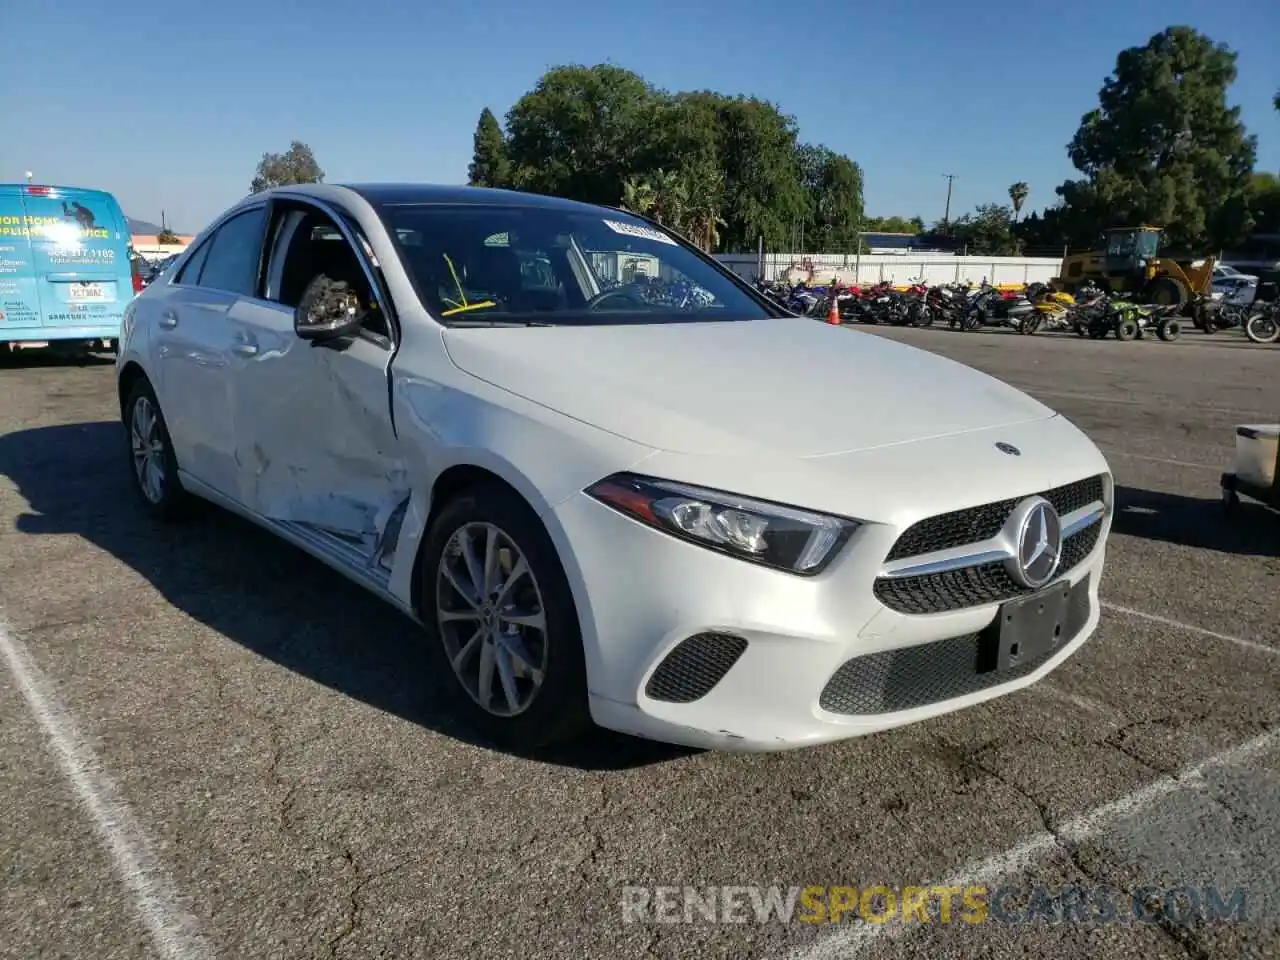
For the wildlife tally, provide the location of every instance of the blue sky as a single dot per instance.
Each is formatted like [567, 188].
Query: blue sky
[171, 107]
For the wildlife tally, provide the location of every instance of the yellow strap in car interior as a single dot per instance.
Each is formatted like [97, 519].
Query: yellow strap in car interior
[470, 306]
[463, 306]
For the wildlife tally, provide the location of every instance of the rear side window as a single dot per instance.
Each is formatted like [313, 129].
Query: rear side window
[235, 252]
[190, 272]
[76, 232]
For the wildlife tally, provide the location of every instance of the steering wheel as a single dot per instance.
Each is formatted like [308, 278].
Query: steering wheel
[630, 292]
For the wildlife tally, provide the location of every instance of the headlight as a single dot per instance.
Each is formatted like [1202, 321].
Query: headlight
[786, 538]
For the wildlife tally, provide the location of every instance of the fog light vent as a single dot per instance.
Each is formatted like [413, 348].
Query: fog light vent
[694, 666]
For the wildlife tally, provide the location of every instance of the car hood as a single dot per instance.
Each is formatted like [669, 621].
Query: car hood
[784, 386]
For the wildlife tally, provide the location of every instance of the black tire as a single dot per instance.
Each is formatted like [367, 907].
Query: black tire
[1169, 330]
[1167, 292]
[1263, 328]
[558, 711]
[1127, 329]
[173, 502]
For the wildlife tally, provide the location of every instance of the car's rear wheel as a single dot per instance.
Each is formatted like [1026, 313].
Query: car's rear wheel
[154, 467]
[501, 619]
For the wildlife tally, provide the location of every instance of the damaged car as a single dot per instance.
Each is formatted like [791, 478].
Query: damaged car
[611, 482]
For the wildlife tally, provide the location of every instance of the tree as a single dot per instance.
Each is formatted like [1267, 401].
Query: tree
[1163, 147]
[723, 170]
[759, 156]
[987, 231]
[638, 196]
[1018, 196]
[295, 165]
[1264, 202]
[489, 165]
[580, 132]
[892, 225]
[833, 185]
[168, 237]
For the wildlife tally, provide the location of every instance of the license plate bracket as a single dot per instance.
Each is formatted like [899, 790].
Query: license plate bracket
[1029, 628]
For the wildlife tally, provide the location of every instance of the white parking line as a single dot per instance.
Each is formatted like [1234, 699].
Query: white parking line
[1192, 628]
[1110, 452]
[847, 943]
[173, 931]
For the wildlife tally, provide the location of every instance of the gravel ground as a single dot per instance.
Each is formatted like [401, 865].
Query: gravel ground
[267, 734]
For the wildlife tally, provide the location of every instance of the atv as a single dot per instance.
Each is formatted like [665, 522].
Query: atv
[1130, 321]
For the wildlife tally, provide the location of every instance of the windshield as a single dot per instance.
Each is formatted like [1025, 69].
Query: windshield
[1133, 243]
[474, 264]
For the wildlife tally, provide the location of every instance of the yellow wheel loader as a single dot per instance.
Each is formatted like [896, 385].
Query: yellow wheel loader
[1131, 265]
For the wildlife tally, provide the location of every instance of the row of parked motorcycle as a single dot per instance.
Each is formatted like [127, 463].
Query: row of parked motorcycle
[1090, 312]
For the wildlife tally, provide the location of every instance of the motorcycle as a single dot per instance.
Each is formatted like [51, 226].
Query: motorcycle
[991, 307]
[1052, 310]
[1263, 325]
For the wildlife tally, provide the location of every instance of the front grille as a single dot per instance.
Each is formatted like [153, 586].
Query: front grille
[972, 586]
[696, 665]
[894, 680]
[975, 524]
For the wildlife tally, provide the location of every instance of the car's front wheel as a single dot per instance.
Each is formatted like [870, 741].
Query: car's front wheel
[501, 619]
[153, 465]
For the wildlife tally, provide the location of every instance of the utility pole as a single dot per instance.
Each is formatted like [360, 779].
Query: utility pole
[946, 214]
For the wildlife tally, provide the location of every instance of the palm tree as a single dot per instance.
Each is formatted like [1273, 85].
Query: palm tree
[1018, 194]
[703, 190]
[638, 195]
[671, 199]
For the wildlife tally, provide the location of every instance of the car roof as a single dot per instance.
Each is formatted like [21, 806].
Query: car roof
[58, 192]
[404, 194]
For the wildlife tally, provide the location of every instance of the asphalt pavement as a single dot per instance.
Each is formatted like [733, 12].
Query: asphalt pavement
[212, 746]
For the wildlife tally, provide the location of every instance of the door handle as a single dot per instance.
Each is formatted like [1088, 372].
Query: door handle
[168, 320]
[243, 348]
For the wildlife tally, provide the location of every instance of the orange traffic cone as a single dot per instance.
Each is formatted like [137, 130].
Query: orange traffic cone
[833, 315]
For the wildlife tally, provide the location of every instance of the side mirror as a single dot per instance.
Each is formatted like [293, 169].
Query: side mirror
[329, 310]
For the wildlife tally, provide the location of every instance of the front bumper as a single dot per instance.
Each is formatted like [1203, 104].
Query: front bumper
[786, 641]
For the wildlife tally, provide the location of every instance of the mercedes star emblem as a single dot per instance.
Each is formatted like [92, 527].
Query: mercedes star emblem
[1036, 532]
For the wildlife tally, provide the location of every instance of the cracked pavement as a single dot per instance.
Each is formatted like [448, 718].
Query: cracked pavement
[276, 732]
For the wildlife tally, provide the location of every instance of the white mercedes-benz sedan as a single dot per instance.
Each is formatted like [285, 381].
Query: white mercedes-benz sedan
[610, 481]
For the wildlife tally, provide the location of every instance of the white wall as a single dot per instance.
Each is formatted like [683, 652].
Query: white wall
[933, 268]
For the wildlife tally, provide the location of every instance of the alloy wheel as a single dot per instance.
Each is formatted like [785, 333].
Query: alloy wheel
[491, 618]
[147, 444]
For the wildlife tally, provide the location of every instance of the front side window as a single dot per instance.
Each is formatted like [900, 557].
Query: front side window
[1122, 245]
[234, 254]
[309, 245]
[524, 264]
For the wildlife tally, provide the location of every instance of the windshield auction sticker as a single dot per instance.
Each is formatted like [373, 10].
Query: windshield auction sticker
[644, 233]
